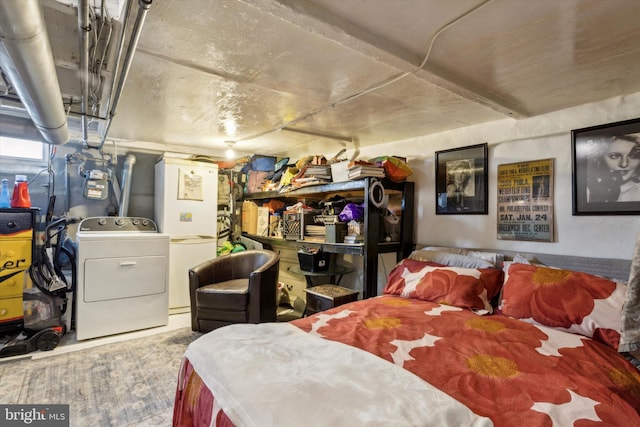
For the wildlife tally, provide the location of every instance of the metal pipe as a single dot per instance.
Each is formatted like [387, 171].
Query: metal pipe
[125, 22]
[127, 175]
[84, 28]
[26, 59]
[133, 43]
[68, 159]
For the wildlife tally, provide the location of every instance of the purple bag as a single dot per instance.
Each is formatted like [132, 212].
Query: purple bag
[352, 212]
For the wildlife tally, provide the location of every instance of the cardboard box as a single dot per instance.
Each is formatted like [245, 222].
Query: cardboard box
[249, 217]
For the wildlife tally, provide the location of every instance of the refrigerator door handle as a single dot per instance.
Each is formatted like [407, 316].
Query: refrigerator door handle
[193, 239]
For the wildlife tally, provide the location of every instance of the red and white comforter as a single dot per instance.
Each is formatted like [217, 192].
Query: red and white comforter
[497, 370]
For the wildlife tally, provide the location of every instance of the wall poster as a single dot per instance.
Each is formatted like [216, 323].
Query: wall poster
[606, 169]
[462, 177]
[525, 201]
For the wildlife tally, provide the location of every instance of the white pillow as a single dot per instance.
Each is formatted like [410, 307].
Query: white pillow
[517, 259]
[450, 259]
[494, 258]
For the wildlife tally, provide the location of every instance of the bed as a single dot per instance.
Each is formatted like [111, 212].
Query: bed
[460, 338]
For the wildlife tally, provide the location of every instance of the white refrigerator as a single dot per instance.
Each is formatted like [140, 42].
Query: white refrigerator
[186, 206]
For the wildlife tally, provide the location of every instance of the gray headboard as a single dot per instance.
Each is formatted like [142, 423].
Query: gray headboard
[606, 267]
[612, 268]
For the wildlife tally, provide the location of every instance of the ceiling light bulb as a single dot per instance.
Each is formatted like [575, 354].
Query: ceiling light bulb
[230, 154]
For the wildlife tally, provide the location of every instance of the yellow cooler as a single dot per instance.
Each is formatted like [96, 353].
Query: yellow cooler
[16, 254]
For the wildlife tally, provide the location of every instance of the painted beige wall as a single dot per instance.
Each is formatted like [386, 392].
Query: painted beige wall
[547, 136]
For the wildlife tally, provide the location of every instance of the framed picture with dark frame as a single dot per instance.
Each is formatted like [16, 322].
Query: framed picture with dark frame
[462, 181]
[606, 169]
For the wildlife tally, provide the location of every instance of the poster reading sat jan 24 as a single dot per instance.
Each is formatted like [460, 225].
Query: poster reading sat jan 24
[525, 201]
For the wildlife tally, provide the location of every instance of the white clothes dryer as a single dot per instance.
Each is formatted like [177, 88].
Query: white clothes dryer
[122, 276]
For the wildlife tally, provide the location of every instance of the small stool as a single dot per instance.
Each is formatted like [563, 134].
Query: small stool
[324, 297]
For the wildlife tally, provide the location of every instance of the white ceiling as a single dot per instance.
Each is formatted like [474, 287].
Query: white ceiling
[317, 75]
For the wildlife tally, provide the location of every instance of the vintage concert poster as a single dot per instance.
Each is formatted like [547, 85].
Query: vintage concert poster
[525, 201]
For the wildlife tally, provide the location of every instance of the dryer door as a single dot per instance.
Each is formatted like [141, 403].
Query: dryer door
[117, 278]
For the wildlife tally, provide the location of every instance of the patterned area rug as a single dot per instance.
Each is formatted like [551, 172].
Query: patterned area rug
[129, 383]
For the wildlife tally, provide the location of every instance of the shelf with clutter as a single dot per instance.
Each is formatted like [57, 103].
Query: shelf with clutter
[364, 215]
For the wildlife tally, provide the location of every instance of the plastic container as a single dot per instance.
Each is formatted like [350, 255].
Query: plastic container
[20, 197]
[5, 198]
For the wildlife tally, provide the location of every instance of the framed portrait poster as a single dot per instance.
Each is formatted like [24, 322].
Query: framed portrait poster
[606, 169]
[462, 180]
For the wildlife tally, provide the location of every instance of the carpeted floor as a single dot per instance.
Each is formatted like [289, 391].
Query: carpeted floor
[128, 383]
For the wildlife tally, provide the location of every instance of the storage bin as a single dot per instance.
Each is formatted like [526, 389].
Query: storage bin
[294, 224]
[292, 229]
[318, 261]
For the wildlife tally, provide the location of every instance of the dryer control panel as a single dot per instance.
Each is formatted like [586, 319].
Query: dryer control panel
[117, 223]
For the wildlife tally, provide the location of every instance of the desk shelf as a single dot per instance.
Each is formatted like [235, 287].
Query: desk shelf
[335, 272]
[372, 245]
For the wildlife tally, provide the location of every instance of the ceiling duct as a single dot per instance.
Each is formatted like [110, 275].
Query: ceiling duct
[26, 59]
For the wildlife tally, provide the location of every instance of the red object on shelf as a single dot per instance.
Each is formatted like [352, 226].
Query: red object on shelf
[20, 197]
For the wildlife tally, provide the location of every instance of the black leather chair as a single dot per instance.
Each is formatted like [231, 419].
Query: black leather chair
[239, 287]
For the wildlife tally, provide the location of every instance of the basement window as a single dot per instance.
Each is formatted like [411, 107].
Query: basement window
[22, 149]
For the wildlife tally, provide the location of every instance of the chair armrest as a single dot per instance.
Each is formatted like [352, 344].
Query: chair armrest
[274, 259]
[263, 291]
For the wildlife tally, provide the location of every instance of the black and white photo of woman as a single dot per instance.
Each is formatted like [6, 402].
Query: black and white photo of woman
[613, 171]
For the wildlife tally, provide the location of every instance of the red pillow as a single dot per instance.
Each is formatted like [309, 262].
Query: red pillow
[566, 300]
[471, 288]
